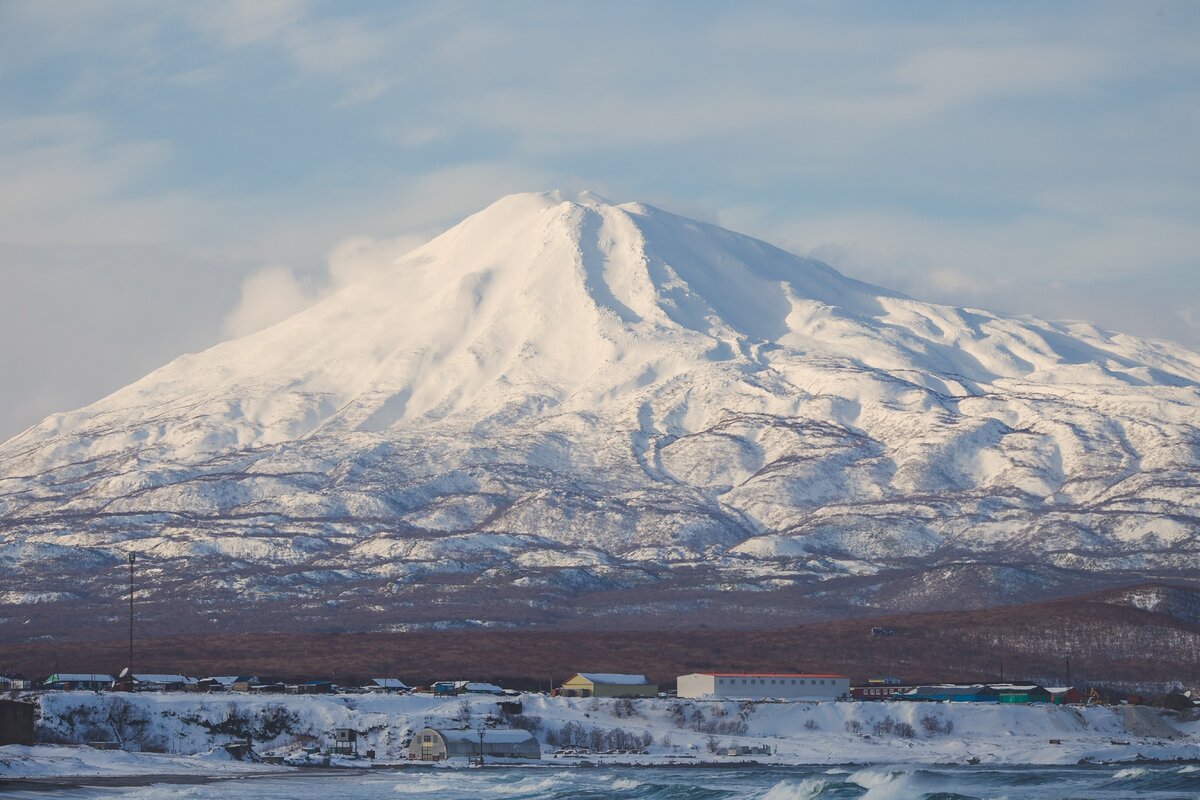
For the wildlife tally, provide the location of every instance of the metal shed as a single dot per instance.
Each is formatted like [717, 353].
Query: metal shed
[16, 722]
[952, 693]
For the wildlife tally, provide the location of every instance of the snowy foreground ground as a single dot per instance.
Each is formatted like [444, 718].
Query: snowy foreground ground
[191, 731]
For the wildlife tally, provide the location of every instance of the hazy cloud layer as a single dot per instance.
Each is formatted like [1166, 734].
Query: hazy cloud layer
[172, 174]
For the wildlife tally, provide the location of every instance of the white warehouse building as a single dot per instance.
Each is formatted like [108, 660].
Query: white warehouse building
[764, 686]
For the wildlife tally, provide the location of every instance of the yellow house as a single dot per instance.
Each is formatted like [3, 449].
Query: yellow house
[607, 684]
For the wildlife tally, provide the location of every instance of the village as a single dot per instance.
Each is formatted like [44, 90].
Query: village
[589, 717]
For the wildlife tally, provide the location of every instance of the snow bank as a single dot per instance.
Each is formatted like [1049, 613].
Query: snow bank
[670, 730]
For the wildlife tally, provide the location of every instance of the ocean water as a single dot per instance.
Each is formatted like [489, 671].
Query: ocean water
[1158, 782]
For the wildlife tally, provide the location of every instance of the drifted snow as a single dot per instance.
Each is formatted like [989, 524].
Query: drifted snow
[561, 382]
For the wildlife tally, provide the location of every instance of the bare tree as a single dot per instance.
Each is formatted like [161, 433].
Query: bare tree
[126, 720]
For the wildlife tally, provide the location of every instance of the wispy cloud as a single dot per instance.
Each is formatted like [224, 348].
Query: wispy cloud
[65, 178]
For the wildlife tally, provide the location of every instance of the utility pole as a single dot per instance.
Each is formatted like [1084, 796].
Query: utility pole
[132, 558]
[481, 745]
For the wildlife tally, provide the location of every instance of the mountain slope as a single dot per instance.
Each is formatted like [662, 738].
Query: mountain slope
[565, 398]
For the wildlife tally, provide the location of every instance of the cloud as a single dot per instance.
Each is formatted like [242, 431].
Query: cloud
[65, 178]
[268, 296]
[944, 76]
[274, 293]
[1038, 159]
[244, 22]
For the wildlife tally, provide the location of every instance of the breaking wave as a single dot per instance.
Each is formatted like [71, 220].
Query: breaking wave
[713, 782]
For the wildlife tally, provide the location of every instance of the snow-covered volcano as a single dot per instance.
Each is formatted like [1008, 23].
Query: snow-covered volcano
[565, 398]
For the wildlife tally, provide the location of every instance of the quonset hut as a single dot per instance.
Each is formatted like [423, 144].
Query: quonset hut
[438, 744]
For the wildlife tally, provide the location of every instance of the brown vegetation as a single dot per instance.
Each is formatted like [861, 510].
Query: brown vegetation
[1104, 637]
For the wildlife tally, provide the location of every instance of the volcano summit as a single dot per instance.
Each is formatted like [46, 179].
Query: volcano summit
[565, 411]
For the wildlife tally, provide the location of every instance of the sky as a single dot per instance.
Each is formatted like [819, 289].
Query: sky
[173, 174]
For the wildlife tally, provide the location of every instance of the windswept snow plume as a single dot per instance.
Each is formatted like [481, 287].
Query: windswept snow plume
[562, 396]
[275, 292]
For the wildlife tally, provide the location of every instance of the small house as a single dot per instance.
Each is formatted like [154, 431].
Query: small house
[310, 687]
[465, 687]
[78, 681]
[478, 687]
[144, 682]
[225, 683]
[345, 742]
[875, 691]
[439, 744]
[387, 685]
[608, 684]
[15, 683]
[266, 687]
[1065, 695]
[747, 750]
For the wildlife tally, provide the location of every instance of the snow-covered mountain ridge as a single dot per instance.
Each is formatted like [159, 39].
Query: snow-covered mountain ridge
[561, 396]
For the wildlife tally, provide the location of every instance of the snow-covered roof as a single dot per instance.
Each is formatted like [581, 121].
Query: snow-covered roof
[614, 678]
[949, 688]
[477, 686]
[1059, 689]
[147, 678]
[229, 680]
[389, 683]
[78, 677]
[489, 735]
